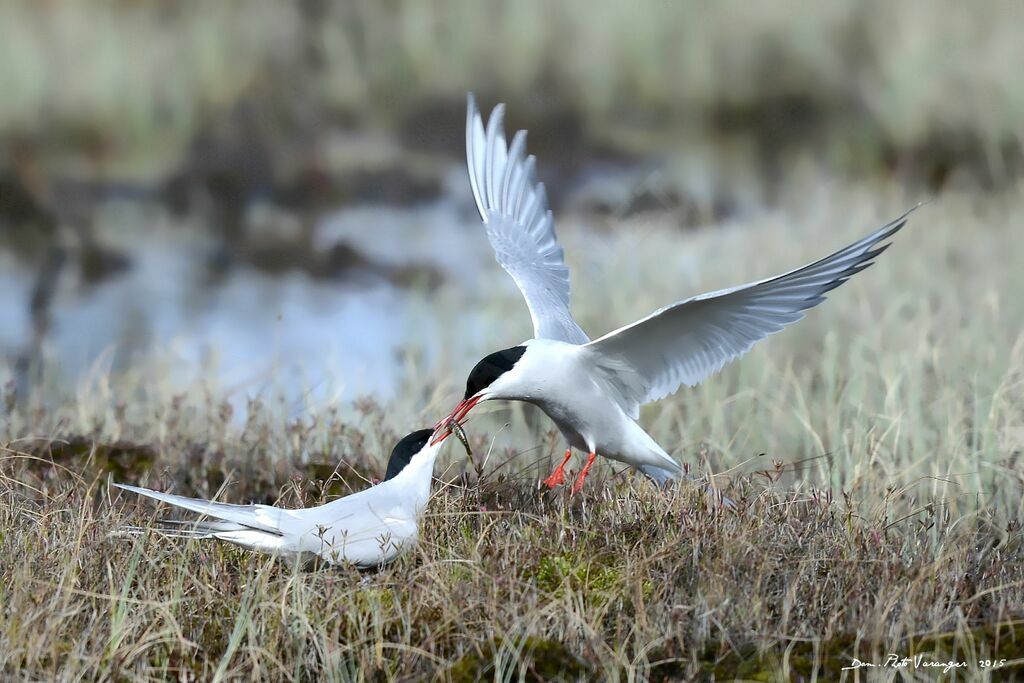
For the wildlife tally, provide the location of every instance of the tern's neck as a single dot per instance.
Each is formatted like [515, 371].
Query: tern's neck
[415, 477]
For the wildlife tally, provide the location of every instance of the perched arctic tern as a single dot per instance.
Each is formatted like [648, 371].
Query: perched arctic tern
[366, 529]
[593, 390]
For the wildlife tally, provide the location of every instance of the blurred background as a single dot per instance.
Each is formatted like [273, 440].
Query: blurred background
[271, 196]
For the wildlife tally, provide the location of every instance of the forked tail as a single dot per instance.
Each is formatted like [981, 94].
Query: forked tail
[249, 525]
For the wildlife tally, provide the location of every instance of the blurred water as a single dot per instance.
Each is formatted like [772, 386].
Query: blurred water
[300, 332]
[253, 330]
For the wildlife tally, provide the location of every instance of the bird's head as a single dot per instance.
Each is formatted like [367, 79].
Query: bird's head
[492, 377]
[419, 445]
[408, 448]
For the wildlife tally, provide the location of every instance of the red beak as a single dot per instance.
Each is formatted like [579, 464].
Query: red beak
[456, 415]
[439, 435]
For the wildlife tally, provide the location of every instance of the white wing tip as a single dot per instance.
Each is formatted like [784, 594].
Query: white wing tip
[472, 110]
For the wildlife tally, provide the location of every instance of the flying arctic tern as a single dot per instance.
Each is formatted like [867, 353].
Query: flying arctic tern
[366, 529]
[593, 390]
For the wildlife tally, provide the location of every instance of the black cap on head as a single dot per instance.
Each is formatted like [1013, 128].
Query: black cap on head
[491, 368]
[403, 451]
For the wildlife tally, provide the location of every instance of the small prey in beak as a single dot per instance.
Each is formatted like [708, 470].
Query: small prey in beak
[456, 429]
[445, 427]
[448, 426]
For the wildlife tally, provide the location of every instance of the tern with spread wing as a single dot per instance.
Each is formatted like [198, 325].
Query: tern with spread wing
[593, 390]
[366, 529]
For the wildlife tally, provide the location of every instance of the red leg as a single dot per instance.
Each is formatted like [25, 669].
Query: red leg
[557, 477]
[578, 486]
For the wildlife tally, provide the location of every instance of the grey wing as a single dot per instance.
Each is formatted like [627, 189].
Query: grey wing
[520, 227]
[258, 517]
[688, 341]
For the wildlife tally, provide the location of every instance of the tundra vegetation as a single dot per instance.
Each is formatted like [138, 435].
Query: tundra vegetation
[873, 450]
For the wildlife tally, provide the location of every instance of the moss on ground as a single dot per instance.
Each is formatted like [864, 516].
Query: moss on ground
[537, 659]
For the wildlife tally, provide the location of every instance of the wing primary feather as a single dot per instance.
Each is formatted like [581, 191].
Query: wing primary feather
[519, 224]
[474, 156]
[247, 515]
[515, 154]
[495, 154]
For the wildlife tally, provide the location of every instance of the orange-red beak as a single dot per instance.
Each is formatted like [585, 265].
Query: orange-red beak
[439, 435]
[443, 429]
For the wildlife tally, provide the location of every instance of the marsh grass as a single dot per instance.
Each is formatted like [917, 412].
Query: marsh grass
[873, 450]
[901, 75]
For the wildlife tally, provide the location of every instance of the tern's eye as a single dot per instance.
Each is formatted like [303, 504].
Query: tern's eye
[491, 368]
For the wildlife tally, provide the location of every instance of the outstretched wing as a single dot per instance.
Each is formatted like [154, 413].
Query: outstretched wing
[520, 227]
[688, 341]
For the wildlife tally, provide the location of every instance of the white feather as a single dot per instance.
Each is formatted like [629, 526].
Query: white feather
[519, 224]
[688, 341]
[367, 528]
